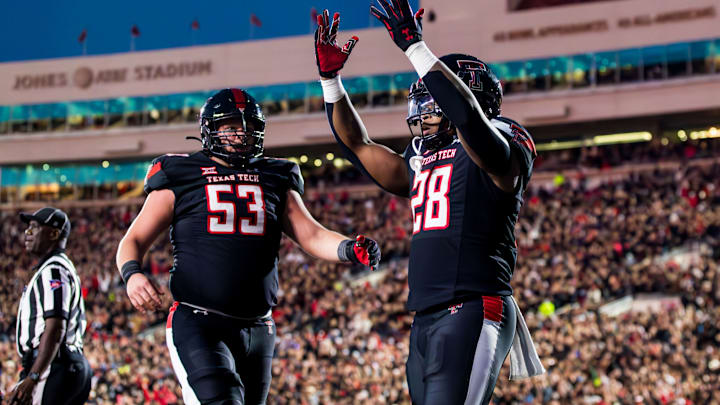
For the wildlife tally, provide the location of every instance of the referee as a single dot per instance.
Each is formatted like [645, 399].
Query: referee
[51, 319]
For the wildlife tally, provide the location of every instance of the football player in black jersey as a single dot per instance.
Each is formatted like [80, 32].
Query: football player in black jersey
[226, 207]
[465, 172]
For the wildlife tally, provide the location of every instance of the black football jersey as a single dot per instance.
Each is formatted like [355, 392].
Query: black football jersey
[463, 242]
[226, 229]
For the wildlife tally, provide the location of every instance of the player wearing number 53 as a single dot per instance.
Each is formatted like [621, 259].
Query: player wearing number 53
[226, 207]
[465, 171]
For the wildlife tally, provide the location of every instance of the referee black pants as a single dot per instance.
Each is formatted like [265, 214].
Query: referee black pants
[65, 382]
[456, 351]
[220, 360]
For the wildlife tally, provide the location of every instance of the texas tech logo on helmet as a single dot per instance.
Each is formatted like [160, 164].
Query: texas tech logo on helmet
[479, 78]
[471, 67]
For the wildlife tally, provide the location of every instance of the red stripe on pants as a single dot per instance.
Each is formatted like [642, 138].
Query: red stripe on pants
[172, 312]
[493, 308]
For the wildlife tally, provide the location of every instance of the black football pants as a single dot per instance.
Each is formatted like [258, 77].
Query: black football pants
[456, 351]
[65, 382]
[220, 360]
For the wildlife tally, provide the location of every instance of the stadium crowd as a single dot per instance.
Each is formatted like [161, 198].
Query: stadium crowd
[342, 332]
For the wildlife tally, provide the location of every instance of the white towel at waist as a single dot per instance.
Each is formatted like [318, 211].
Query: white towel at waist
[524, 360]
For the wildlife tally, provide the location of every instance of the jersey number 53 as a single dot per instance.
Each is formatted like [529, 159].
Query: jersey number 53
[216, 224]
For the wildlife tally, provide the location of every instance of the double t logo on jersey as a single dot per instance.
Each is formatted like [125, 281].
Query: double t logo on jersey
[521, 137]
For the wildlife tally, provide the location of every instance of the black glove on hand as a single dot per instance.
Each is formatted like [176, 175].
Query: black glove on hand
[329, 56]
[363, 251]
[405, 27]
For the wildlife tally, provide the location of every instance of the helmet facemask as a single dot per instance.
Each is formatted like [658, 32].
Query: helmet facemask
[232, 132]
[423, 111]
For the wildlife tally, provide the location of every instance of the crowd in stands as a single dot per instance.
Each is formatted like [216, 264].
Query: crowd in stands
[603, 157]
[342, 335]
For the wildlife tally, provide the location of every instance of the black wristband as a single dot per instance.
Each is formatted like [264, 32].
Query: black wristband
[129, 268]
[345, 251]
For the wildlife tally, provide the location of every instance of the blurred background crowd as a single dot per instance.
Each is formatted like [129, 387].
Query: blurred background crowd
[343, 332]
[618, 239]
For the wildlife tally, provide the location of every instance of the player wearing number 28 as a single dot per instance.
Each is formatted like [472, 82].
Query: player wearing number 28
[465, 172]
[226, 207]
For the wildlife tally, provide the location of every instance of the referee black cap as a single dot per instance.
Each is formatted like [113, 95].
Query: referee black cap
[50, 216]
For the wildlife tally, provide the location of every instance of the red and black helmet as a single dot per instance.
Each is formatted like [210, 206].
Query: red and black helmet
[477, 75]
[232, 106]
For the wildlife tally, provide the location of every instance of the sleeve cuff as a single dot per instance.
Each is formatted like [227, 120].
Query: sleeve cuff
[421, 58]
[333, 89]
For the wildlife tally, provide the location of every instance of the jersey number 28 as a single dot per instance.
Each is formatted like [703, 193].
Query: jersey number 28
[435, 186]
[255, 206]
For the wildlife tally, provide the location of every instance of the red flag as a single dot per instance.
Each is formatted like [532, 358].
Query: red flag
[195, 25]
[82, 36]
[254, 20]
[135, 31]
[313, 15]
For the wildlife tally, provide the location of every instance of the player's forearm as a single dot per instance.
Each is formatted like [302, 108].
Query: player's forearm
[462, 109]
[50, 342]
[377, 162]
[345, 123]
[323, 244]
[129, 249]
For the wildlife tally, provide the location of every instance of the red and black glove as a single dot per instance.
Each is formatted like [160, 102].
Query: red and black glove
[361, 251]
[329, 56]
[405, 28]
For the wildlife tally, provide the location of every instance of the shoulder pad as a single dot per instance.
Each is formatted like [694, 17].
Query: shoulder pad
[522, 146]
[158, 175]
[289, 170]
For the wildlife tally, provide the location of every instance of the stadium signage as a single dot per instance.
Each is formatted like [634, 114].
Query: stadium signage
[604, 24]
[84, 77]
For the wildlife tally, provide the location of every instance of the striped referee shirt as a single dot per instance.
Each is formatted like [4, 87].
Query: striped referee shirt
[53, 291]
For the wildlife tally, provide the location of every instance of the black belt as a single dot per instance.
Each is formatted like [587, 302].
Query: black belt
[64, 352]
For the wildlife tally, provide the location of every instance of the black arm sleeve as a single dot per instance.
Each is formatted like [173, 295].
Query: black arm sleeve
[352, 157]
[479, 136]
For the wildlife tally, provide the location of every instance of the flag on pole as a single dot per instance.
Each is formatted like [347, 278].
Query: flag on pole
[194, 27]
[134, 33]
[254, 20]
[313, 19]
[82, 39]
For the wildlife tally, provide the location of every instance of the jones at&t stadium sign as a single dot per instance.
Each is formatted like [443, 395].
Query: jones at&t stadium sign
[84, 77]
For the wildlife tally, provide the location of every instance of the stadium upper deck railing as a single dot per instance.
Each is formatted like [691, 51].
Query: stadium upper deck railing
[580, 71]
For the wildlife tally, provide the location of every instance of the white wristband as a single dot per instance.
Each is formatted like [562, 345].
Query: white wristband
[333, 89]
[421, 58]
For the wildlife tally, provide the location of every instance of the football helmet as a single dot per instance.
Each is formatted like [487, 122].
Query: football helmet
[237, 106]
[477, 75]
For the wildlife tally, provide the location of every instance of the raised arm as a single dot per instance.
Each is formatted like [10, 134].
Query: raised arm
[385, 167]
[485, 145]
